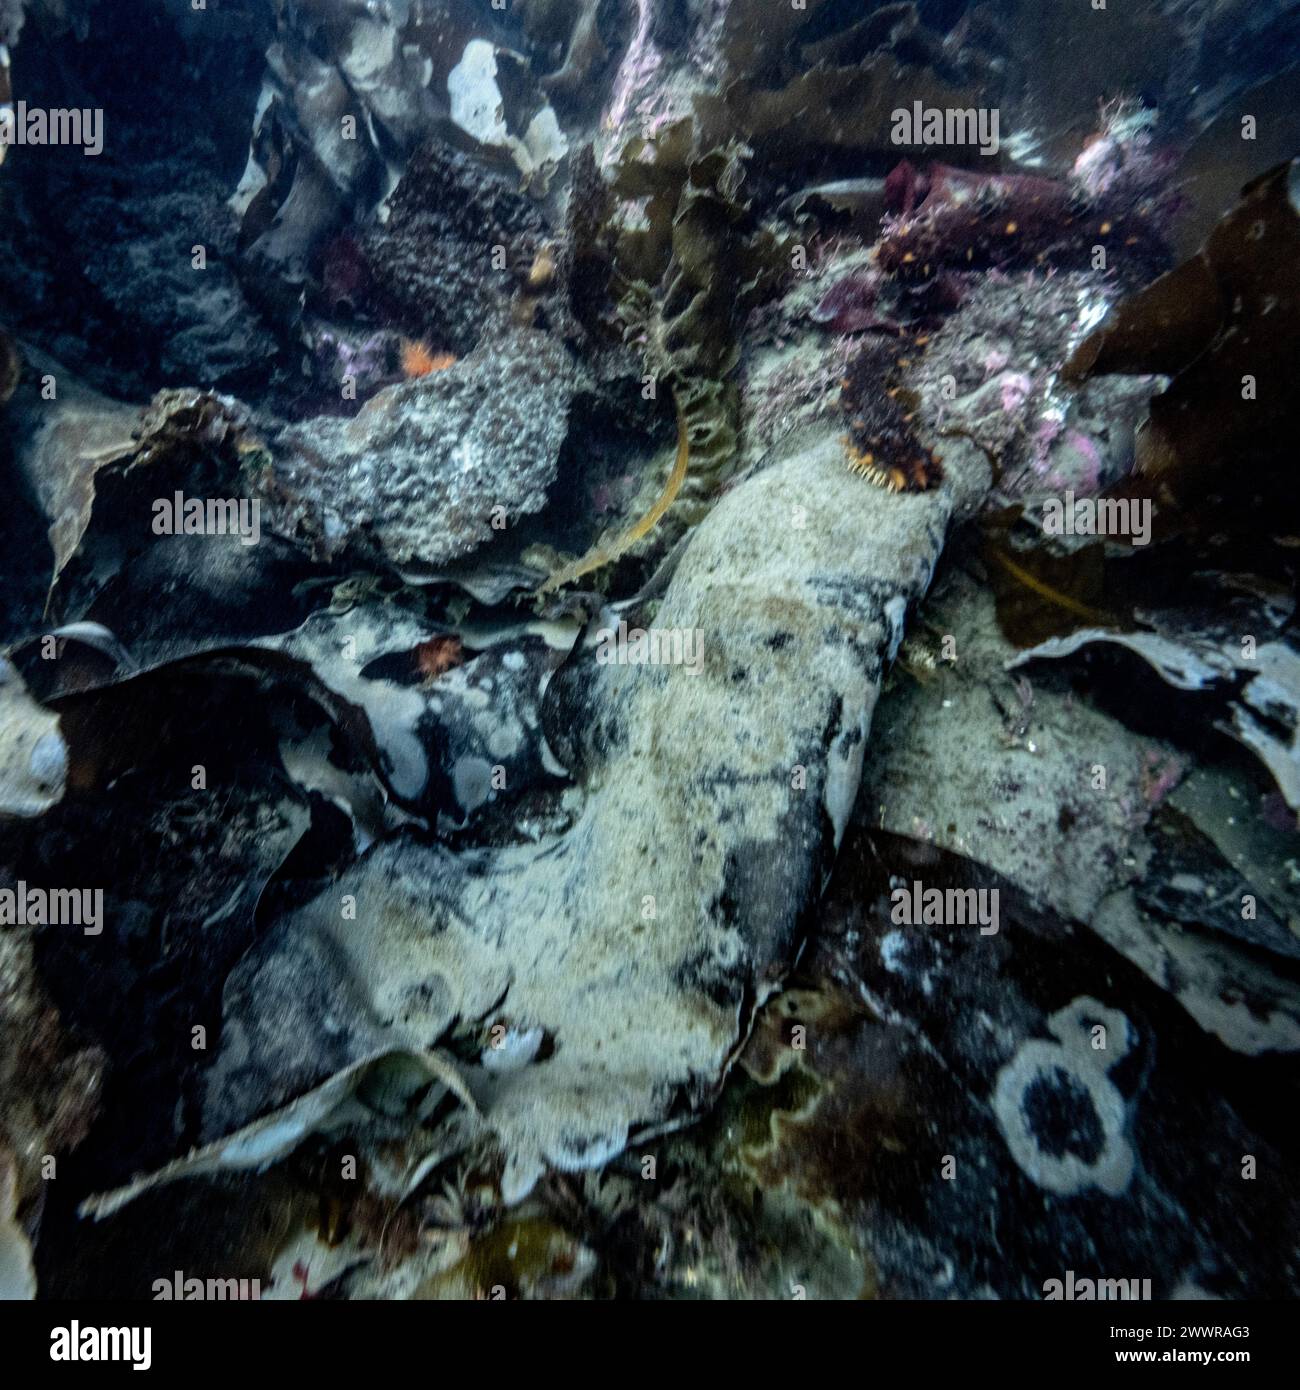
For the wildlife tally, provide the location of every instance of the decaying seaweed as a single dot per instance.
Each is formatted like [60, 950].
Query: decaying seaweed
[797, 92]
[689, 263]
[698, 970]
[77, 445]
[11, 367]
[582, 33]
[50, 1090]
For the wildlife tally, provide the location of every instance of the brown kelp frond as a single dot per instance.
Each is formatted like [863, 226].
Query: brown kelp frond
[690, 266]
[1225, 326]
[603, 552]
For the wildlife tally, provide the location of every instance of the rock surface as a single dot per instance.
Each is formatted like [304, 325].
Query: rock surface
[432, 468]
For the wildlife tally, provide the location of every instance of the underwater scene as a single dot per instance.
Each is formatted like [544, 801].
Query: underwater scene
[649, 651]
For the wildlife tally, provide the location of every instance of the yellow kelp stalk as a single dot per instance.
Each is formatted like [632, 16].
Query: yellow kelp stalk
[603, 553]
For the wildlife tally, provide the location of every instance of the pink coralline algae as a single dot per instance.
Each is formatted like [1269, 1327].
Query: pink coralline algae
[1090, 480]
[995, 361]
[1015, 389]
[1064, 458]
[364, 360]
[1161, 773]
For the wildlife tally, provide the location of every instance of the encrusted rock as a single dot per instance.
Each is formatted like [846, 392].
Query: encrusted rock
[433, 467]
[432, 261]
